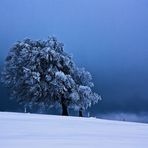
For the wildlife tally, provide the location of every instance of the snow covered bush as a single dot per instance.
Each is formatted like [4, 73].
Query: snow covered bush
[41, 72]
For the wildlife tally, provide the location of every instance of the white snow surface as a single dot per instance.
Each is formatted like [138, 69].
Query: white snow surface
[18, 130]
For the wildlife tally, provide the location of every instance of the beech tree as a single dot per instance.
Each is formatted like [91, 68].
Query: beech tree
[41, 72]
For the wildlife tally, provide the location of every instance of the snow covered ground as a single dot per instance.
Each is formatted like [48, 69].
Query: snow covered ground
[19, 130]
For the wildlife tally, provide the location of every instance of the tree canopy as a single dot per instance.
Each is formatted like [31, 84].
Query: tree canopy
[42, 72]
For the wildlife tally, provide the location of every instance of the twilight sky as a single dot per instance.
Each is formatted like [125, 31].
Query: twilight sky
[108, 37]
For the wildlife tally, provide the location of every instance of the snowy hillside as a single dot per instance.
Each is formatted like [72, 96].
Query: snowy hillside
[19, 130]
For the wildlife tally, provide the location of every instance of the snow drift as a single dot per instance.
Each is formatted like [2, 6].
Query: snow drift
[18, 130]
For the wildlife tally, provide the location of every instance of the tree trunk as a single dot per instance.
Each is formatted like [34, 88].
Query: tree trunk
[25, 109]
[64, 110]
[80, 113]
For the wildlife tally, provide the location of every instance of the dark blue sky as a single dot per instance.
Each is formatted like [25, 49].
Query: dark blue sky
[108, 37]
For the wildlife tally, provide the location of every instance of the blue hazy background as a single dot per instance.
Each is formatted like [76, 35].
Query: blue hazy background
[107, 37]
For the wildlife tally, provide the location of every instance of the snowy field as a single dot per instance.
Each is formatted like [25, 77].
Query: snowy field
[19, 130]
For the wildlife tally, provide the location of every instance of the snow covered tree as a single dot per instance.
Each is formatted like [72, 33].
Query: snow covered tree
[84, 94]
[41, 72]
